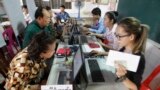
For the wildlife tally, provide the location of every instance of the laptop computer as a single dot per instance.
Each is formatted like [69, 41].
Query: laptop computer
[77, 63]
[65, 75]
[104, 80]
[83, 39]
[97, 71]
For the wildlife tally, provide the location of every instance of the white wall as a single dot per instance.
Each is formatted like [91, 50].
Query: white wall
[14, 12]
[2, 42]
[31, 8]
[2, 11]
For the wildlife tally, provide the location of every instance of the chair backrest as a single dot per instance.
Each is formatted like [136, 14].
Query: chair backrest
[145, 84]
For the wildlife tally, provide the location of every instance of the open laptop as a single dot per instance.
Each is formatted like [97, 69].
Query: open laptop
[83, 39]
[97, 71]
[77, 64]
[73, 38]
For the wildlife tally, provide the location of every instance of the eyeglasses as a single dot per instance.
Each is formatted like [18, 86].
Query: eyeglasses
[121, 36]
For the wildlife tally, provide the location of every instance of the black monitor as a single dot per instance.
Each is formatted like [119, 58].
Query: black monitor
[77, 63]
[73, 38]
[79, 72]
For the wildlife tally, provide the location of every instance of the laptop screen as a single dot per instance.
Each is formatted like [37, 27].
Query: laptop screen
[77, 64]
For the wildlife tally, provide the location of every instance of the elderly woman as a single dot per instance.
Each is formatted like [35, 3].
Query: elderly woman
[26, 67]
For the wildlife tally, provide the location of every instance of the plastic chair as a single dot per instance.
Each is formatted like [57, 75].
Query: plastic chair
[10, 38]
[145, 84]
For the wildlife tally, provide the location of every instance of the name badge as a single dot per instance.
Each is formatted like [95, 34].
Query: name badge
[62, 20]
[56, 87]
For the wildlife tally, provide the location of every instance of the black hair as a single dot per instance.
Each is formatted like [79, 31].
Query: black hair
[39, 44]
[63, 6]
[39, 12]
[112, 15]
[48, 8]
[24, 6]
[96, 11]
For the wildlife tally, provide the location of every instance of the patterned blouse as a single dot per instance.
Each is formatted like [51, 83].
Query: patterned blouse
[22, 72]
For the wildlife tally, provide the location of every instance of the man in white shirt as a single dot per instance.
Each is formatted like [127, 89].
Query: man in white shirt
[26, 14]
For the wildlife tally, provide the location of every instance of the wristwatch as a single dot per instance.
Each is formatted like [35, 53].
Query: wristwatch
[121, 79]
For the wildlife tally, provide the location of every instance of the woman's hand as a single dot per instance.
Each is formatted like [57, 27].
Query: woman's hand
[100, 42]
[120, 70]
[97, 53]
[85, 29]
[94, 52]
[90, 33]
[87, 26]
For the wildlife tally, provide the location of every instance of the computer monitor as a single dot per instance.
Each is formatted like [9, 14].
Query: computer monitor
[79, 72]
[77, 63]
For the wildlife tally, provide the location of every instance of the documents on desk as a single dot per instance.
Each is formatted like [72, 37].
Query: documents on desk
[88, 49]
[130, 61]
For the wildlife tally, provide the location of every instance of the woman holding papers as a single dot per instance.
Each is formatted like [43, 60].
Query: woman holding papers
[26, 68]
[131, 35]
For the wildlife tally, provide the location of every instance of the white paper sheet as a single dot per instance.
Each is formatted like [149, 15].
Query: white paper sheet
[130, 61]
[57, 87]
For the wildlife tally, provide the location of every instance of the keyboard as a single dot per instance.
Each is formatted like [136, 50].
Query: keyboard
[95, 70]
[83, 39]
[64, 77]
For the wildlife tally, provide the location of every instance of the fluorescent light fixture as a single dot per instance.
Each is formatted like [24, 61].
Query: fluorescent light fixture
[46, 0]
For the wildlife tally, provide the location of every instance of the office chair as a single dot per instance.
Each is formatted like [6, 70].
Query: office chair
[145, 84]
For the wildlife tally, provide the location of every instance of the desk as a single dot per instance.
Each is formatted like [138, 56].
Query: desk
[109, 75]
[109, 85]
[56, 68]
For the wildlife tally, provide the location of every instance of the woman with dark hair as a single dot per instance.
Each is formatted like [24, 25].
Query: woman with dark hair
[131, 36]
[108, 39]
[26, 67]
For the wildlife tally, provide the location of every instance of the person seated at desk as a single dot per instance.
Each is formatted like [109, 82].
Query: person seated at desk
[108, 38]
[99, 28]
[63, 15]
[26, 68]
[132, 36]
[41, 22]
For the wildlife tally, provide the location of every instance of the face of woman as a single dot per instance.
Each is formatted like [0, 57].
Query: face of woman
[107, 21]
[49, 53]
[123, 37]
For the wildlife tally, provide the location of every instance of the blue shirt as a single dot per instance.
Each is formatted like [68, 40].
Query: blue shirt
[96, 26]
[63, 16]
[101, 28]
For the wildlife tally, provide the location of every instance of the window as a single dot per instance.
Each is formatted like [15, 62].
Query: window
[57, 3]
